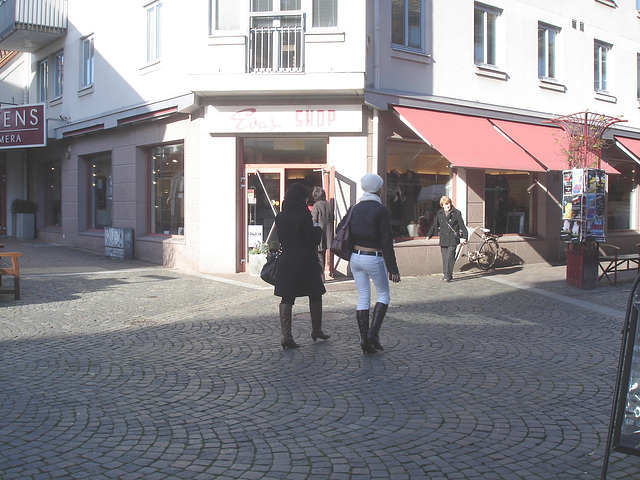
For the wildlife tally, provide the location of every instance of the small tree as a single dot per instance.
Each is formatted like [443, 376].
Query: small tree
[23, 206]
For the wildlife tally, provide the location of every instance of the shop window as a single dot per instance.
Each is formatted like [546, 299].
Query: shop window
[167, 190]
[620, 195]
[417, 176]
[508, 204]
[101, 193]
[53, 199]
[285, 150]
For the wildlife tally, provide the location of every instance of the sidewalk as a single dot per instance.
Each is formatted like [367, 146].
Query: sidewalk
[125, 370]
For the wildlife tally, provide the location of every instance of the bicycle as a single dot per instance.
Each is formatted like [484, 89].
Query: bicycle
[487, 252]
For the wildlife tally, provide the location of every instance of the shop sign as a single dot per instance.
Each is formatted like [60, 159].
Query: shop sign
[286, 118]
[23, 126]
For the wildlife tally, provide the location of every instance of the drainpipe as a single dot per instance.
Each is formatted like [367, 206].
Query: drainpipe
[376, 44]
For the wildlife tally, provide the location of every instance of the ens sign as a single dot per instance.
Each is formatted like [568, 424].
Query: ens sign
[22, 126]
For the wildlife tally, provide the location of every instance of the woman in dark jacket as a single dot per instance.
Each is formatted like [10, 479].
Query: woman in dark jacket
[373, 259]
[450, 226]
[298, 272]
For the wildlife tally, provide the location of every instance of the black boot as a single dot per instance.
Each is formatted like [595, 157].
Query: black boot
[285, 324]
[379, 311]
[315, 310]
[363, 325]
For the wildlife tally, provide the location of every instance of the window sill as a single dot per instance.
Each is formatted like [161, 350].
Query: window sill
[85, 91]
[608, 3]
[551, 84]
[150, 66]
[490, 71]
[151, 238]
[411, 55]
[606, 97]
[324, 35]
[55, 101]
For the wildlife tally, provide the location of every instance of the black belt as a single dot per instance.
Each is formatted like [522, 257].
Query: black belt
[363, 252]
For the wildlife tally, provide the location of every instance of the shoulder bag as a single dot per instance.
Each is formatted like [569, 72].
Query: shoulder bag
[342, 244]
[268, 273]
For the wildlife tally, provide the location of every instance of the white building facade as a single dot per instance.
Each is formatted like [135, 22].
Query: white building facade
[188, 122]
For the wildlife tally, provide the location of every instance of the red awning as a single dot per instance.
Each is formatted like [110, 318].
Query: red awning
[466, 141]
[630, 146]
[544, 143]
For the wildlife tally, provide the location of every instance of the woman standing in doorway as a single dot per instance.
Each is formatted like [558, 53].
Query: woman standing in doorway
[298, 272]
[450, 226]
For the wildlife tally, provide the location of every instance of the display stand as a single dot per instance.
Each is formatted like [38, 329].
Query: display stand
[624, 427]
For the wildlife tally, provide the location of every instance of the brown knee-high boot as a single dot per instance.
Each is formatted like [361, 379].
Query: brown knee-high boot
[315, 310]
[379, 311]
[362, 316]
[285, 324]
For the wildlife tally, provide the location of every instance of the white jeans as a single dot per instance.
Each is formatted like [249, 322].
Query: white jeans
[365, 267]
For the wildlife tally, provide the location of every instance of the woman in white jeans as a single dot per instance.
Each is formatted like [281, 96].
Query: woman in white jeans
[373, 259]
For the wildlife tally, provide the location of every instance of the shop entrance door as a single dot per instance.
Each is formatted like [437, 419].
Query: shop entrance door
[265, 189]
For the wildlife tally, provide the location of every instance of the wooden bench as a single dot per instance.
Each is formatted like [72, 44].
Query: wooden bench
[10, 267]
[611, 261]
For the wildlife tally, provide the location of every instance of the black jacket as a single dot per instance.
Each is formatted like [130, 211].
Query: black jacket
[440, 227]
[371, 227]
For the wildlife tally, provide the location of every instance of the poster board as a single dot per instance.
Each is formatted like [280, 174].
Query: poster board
[583, 205]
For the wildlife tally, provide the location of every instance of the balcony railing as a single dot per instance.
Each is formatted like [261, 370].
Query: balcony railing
[29, 25]
[276, 48]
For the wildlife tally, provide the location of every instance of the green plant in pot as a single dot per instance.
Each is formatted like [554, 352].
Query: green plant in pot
[24, 220]
[23, 206]
[260, 249]
[257, 258]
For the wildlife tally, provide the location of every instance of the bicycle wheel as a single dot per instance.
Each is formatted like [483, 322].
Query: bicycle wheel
[487, 254]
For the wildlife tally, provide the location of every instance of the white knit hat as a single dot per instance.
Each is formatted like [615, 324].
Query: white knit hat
[371, 183]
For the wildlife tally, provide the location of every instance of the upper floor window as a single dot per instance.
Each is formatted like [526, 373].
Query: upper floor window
[485, 22]
[325, 13]
[276, 36]
[600, 54]
[406, 23]
[225, 15]
[58, 74]
[88, 54]
[547, 51]
[638, 76]
[154, 29]
[43, 80]
[638, 5]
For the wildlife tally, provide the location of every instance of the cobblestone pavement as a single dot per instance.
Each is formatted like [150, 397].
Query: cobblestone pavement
[124, 370]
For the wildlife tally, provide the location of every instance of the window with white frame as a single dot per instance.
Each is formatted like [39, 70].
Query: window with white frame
[88, 54]
[547, 51]
[600, 55]
[325, 13]
[225, 15]
[406, 23]
[43, 81]
[485, 21]
[154, 31]
[58, 74]
[276, 36]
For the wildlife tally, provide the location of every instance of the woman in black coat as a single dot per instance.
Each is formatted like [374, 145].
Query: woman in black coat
[450, 226]
[298, 272]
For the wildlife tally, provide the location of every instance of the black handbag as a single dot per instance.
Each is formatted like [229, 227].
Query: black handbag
[342, 244]
[268, 273]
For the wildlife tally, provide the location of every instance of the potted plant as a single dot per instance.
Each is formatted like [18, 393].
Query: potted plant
[257, 258]
[25, 218]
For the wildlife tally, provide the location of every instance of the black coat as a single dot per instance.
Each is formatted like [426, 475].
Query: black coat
[447, 236]
[299, 272]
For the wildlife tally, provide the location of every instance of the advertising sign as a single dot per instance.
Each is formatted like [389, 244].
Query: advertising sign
[23, 126]
[583, 205]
